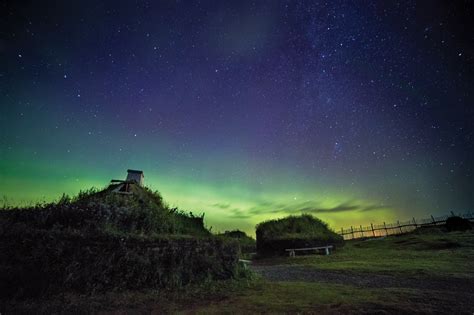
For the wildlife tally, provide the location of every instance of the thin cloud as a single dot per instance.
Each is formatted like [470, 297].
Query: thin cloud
[339, 208]
[311, 207]
[374, 207]
[345, 207]
[315, 207]
[221, 205]
[236, 213]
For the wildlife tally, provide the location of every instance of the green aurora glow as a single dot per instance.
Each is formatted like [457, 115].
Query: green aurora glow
[237, 201]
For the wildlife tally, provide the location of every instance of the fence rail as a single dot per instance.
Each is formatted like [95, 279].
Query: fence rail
[386, 229]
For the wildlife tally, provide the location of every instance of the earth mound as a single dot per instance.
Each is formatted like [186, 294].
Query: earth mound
[304, 231]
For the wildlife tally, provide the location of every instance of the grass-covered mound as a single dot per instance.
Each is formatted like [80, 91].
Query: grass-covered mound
[101, 240]
[246, 243]
[93, 211]
[40, 262]
[274, 236]
[455, 223]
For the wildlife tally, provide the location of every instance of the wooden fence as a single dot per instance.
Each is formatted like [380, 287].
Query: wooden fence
[386, 229]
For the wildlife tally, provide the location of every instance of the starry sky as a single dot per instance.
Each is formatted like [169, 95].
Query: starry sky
[353, 111]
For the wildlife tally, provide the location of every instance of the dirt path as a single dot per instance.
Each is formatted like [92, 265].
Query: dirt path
[372, 280]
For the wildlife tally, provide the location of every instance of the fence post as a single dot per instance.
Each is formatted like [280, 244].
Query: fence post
[469, 216]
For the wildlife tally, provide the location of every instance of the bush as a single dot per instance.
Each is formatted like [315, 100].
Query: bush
[274, 236]
[457, 224]
[246, 243]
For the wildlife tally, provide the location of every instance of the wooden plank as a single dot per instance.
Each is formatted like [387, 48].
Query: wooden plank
[292, 251]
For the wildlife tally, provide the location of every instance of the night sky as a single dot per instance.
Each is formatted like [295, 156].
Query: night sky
[353, 111]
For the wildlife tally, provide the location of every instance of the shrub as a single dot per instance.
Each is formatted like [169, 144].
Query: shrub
[274, 236]
[246, 243]
[457, 224]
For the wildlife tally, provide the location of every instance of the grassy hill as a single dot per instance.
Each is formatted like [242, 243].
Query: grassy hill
[104, 212]
[274, 236]
[101, 240]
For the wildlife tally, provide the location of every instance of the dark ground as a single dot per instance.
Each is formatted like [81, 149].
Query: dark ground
[309, 274]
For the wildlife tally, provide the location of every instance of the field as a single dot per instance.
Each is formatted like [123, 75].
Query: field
[429, 272]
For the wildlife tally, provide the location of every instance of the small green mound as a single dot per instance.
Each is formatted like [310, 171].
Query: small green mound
[274, 236]
[247, 244]
[457, 224]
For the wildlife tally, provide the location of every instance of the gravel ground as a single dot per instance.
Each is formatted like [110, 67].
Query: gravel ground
[372, 280]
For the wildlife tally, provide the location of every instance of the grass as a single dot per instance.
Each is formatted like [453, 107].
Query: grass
[143, 301]
[301, 297]
[244, 297]
[431, 254]
[290, 297]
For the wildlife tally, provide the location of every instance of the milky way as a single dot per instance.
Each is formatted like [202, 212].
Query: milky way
[355, 112]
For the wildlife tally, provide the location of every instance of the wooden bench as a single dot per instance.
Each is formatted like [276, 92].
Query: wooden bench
[292, 251]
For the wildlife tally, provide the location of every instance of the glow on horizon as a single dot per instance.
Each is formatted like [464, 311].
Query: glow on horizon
[225, 208]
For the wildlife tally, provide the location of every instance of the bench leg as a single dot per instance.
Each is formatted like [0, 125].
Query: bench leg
[292, 253]
[327, 251]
